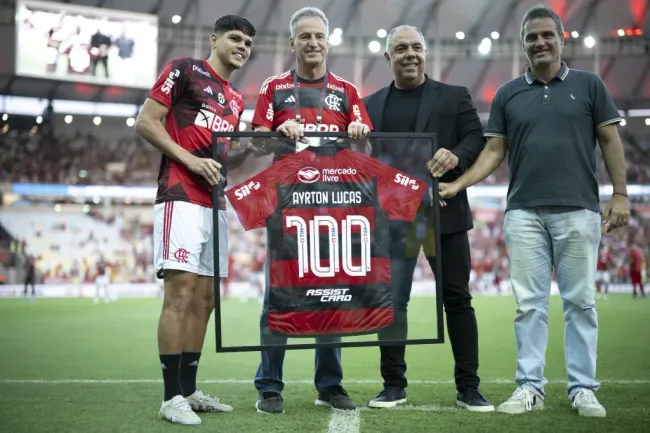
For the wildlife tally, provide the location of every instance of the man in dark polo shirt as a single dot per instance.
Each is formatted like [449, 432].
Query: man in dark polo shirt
[548, 121]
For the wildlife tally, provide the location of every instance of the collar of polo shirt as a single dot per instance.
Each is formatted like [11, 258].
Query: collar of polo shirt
[561, 73]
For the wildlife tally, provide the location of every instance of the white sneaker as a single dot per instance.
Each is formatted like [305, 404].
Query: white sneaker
[587, 404]
[178, 411]
[200, 402]
[522, 400]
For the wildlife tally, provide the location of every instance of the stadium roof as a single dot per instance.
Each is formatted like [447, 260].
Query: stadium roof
[366, 16]
[624, 62]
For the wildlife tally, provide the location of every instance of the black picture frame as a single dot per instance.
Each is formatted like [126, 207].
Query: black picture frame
[440, 331]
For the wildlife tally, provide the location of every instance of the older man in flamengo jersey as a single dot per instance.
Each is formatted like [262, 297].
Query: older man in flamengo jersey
[307, 98]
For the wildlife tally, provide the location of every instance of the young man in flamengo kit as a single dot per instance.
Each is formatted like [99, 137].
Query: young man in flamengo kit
[195, 98]
[307, 98]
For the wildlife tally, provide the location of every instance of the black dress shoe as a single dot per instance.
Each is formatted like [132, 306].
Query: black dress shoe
[472, 400]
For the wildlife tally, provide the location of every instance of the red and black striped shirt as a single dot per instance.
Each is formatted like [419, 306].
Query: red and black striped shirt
[200, 103]
[341, 105]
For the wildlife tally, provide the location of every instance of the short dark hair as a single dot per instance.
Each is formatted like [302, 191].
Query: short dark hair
[228, 23]
[542, 11]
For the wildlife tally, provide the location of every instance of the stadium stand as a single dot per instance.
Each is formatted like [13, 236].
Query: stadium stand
[77, 186]
[70, 235]
[70, 242]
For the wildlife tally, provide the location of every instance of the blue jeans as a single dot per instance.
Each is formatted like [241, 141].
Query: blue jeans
[565, 239]
[328, 369]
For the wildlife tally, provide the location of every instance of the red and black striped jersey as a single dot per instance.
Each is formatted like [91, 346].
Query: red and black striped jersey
[276, 103]
[604, 260]
[200, 103]
[327, 211]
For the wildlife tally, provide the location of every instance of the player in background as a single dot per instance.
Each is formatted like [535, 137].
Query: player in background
[257, 278]
[102, 280]
[195, 98]
[644, 271]
[307, 98]
[30, 277]
[227, 282]
[604, 268]
[75, 276]
[637, 268]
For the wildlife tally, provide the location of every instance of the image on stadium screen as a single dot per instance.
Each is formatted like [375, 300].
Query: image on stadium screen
[89, 45]
[327, 211]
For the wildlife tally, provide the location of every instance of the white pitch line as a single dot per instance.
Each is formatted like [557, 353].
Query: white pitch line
[429, 408]
[305, 381]
[344, 421]
[424, 408]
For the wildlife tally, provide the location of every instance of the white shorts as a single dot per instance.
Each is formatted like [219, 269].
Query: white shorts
[603, 277]
[182, 233]
[101, 280]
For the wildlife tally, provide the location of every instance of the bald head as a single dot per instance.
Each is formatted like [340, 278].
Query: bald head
[405, 53]
[404, 30]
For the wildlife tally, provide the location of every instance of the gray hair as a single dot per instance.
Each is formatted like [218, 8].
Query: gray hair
[542, 11]
[391, 35]
[308, 12]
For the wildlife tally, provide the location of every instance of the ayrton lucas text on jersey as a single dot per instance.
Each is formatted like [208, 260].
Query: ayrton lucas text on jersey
[326, 197]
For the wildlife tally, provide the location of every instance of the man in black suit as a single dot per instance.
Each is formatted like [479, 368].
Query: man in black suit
[415, 103]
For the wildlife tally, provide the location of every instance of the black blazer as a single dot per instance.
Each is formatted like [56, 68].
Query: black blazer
[448, 111]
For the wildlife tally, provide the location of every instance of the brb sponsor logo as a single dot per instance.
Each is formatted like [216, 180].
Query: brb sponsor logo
[406, 181]
[246, 190]
[169, 82]
[321, 127]
[331, 295]
[308, 175]
[313, 127]
[205, 118]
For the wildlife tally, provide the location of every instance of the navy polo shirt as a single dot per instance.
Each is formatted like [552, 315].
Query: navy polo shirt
[551, 132]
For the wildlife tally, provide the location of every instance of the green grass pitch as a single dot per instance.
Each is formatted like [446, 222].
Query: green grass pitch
[71, 366]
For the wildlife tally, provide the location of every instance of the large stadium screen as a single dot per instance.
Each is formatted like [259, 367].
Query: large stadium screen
[85, 44]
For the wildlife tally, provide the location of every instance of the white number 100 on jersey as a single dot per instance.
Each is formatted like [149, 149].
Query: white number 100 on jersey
[309, 255]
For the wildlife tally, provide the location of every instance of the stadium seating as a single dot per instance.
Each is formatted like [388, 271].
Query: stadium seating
[84, 158]
[73, 240]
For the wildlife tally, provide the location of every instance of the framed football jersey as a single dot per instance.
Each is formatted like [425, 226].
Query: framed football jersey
[331, 217]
